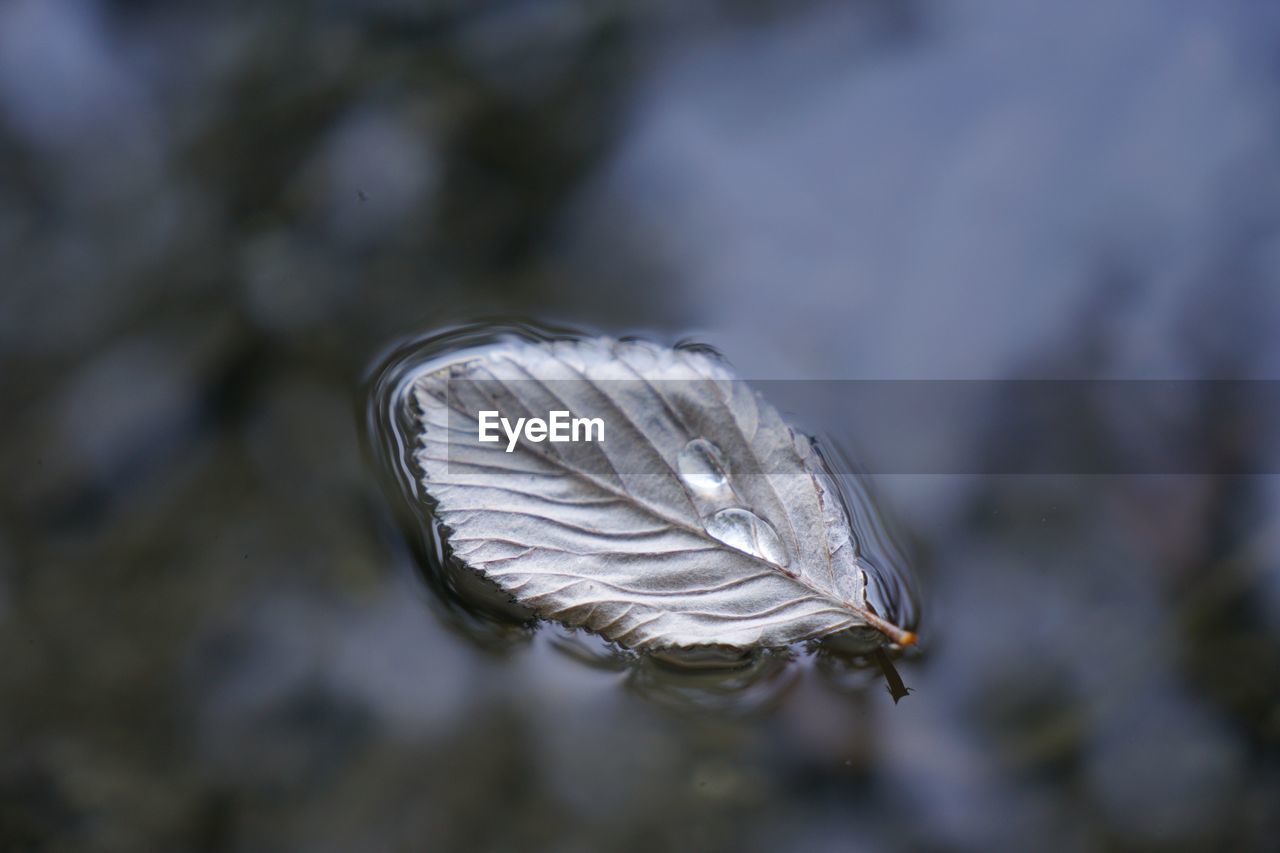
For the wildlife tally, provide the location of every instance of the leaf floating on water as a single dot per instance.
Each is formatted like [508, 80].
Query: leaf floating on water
[701, 519]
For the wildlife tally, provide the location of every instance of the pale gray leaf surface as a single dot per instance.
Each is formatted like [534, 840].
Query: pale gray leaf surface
[702, 519]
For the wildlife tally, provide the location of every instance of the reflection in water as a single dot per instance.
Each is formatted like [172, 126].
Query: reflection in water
[700, 677]
[737, 684]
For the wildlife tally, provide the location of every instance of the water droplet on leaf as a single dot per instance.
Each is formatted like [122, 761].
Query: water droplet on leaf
[702, 468]
[743, 529]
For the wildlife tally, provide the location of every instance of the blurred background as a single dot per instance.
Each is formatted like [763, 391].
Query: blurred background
[214, 217]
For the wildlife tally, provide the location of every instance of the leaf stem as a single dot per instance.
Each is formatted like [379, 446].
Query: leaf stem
[901, 636]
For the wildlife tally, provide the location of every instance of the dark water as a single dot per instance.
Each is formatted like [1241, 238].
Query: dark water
[214, 219]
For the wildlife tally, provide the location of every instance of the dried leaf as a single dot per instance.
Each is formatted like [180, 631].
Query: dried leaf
[702, 518]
